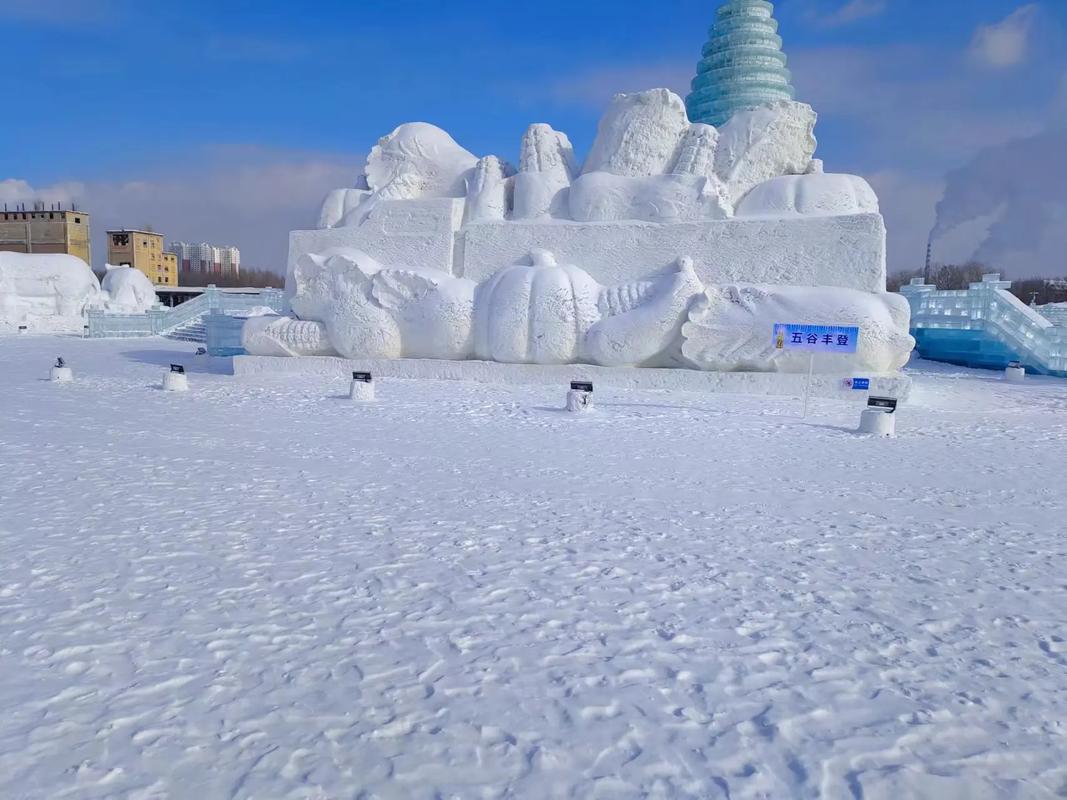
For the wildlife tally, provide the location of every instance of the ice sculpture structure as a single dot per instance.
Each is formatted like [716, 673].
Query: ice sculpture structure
[743, 64]
[987, 327]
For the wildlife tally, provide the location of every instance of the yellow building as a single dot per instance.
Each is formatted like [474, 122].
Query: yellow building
[143, 250]
[170, 267]
[41, 230]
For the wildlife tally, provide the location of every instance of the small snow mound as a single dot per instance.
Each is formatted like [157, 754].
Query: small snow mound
[128, 290]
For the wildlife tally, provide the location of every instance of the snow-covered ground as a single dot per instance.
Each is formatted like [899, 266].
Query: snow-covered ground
[261, 590]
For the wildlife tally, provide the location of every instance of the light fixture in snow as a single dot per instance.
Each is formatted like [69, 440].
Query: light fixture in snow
[580, 397]
[362, 388]
[880, 417]
[175, 379]
[61, 373]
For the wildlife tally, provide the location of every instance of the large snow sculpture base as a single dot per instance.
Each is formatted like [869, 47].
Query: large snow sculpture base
[846, 250]
[681, 380]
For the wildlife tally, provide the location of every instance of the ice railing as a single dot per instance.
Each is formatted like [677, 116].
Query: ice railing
[989, 307]
[159, 321]
[1056, 314]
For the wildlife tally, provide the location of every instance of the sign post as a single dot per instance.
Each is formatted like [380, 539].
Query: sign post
[812, 339]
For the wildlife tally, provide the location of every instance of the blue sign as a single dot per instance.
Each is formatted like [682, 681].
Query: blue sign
[861, 384]
[817, 338]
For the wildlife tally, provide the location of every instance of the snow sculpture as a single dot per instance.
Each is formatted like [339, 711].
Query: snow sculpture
[339, 205]
[426, 255]
[552, 313]
[641, 322]
[282, 336]
[546, 171]
[537, 314]
[603, 197]
[810, 196]
[727, 329]
[639, 135]
[45, 292]
[542, 313]
[764, 143]
[418, 160]
[128, 291]
[372, 312]
[696, 154]
[490, 190]
[743, 64]
[649, 164]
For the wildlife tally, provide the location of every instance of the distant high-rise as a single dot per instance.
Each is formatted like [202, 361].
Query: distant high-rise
[230, 260]
[207, 258]
[743, 64]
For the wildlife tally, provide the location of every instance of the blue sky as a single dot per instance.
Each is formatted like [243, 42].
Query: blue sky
[226, 120]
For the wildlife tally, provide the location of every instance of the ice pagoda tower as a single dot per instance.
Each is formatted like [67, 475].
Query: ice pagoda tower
[743, 64]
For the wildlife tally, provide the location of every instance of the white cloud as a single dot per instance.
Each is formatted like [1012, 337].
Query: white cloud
[14, 191]
[1006, 43]
[854, 11]
[246, 196]
[911, 104]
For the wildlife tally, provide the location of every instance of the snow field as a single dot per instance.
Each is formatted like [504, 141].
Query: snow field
[262, 590]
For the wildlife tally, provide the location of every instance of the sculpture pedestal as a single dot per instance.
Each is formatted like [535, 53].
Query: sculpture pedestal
[1015, 374]
[876, 422]
[62, 375]
[175, 382]
[361, 391]
[579, 402]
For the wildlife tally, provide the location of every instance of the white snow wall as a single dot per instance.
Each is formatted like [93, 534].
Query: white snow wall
[846, 251]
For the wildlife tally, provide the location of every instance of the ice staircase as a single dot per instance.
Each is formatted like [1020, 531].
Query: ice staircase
[194, 331]
[187, 321]
[985, 327]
